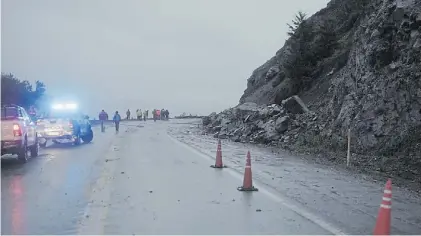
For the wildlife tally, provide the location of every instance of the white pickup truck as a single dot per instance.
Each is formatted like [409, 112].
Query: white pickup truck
[18, 133]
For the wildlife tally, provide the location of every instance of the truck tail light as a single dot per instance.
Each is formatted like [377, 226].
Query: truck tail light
[17, 131]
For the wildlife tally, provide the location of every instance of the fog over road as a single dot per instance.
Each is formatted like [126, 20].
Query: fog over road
[154, 178]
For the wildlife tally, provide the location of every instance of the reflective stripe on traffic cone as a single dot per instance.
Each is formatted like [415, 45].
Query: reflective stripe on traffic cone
[383, 219]
[247, 182]
[218, 160]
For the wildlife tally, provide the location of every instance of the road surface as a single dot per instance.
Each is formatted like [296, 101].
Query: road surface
[146, 181]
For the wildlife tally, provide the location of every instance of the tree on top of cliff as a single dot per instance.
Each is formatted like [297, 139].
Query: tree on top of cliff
[298, 66]
[20, 92]
[300, 17]
[309, 45]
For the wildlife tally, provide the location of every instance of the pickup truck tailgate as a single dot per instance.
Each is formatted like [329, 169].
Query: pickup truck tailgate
[7, 130]
[54, 124]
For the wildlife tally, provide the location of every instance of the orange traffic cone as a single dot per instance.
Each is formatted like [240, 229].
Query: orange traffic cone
[218, 161]
[247, 182]
[383, 218]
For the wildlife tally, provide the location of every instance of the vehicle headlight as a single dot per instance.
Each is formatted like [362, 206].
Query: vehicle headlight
[70, 106]
[58, 106]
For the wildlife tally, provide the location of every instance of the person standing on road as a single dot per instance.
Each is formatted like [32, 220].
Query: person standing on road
[145, 115]
[117, 119]
[167, 114]
[154, 115]
[103, 116]
[139, 114]
[32, 113]
[158, 114]
[128, 114]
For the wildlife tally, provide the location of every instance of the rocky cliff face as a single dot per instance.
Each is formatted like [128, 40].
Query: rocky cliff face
[370, 83]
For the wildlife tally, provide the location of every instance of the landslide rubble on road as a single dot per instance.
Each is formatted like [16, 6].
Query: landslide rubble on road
[368, 81]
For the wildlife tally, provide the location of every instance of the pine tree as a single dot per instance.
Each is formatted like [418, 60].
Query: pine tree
[300, 17]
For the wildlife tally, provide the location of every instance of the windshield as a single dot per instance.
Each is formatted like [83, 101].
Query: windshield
[9, 113]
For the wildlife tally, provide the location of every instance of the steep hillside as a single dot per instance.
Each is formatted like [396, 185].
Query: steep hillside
[362, 70]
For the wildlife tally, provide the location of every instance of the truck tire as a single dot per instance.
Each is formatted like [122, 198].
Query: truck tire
[23, 153]
[44, 144]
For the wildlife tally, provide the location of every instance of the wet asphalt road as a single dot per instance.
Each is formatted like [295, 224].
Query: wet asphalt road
[49, 193]
[143, 181]
[139, 181]
[347, 199]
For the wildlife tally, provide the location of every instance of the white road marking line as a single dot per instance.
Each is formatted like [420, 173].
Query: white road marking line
[309, 216]
[96, 211]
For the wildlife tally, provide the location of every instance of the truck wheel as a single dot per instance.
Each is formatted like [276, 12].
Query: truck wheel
[34, 148]
[23, 153]
[88, 137]
[44, 144]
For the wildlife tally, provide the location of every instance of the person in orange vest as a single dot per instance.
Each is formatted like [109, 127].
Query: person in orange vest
[158, 114]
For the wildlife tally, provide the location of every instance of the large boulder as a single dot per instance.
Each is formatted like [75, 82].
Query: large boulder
[248, 107]
[281, 124]
[272, 72]
[206, 120]
[295, 105]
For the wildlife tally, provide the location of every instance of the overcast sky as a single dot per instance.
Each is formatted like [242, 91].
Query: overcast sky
[183, 55]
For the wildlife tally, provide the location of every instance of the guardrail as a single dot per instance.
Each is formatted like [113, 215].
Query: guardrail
[188, 117]
[98, 122]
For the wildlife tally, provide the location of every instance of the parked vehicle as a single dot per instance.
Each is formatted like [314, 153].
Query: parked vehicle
[64, 123]
[18, 133]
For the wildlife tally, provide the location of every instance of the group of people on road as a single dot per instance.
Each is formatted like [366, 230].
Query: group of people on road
[157, 114]
[160, 114]
[140, 114]
[103, 116]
